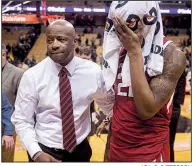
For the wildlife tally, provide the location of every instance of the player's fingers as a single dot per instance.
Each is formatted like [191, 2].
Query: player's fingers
[123, 25]
[117, 27]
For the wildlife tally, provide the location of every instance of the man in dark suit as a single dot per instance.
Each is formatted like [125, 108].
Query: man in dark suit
[11, 76]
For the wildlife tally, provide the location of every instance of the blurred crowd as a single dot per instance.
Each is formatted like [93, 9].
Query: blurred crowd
[83, 20]
[20, 49]
[88, 50]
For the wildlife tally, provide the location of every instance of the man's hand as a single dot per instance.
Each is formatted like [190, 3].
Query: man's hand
[130, 40]
[8, 141]
[44, 157]
[100, 129]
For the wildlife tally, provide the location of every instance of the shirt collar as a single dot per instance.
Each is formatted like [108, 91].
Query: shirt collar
[70, 66]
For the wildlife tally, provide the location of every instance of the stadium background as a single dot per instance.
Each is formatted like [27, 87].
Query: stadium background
[23, 31]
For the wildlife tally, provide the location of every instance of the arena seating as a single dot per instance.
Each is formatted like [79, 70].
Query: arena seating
[12, 36]
[39, 48]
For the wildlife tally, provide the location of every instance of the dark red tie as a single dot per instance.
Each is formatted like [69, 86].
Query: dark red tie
[68, 127]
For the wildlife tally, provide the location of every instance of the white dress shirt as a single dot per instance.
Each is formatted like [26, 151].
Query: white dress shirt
[38, 95]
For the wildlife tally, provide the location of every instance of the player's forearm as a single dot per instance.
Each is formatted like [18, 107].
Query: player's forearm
[143, 96]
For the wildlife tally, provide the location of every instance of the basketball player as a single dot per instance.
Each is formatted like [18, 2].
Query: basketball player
[140, 125]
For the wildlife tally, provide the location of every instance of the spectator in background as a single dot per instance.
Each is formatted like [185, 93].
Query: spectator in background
[184, 43]
[29, 62]
[79, 40]
[76, 19]
[8, 47]
[93, 53]
[189, 32]
[89, 29]
[85, 52]
[190, 56]
[101, 42]
[99, 35]
[189, 41]
[90, 19]
[29, 41]
[23, 52]
[11, 76]
[33, 37]
[23, 66]
[100, 38]
[187, 52]
[21, 38]
[8, 129]
[164, 31]
[86, 42]
[77, 51]
[15, 52]
[92, 29]
[176, 32]
[101, 59]
[10, 60]
[85, 30]
[33, 62]
[83, 19]
[93, 41]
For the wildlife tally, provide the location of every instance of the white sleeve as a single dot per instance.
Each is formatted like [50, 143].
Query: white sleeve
[23, 116]
[109, 12]
[104, 99]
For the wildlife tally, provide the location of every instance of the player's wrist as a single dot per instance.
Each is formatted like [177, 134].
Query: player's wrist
[134, 52]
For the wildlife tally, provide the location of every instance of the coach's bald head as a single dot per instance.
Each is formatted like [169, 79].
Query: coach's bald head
[60, 41]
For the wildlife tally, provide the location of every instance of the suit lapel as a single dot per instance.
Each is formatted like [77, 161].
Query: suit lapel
[6, 71]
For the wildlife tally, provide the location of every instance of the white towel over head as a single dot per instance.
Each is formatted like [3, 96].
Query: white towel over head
[148, 12]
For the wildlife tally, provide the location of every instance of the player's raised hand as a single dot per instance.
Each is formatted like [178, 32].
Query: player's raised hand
[130, 40]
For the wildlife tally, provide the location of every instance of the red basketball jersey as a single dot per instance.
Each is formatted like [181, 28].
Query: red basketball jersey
[133, 139]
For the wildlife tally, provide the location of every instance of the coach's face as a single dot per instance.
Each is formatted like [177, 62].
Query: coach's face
[60, 43]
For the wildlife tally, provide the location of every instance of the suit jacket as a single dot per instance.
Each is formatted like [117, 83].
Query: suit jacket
[11, 76]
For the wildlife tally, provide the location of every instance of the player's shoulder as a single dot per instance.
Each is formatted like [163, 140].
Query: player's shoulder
[174, 59]
[172, 52]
